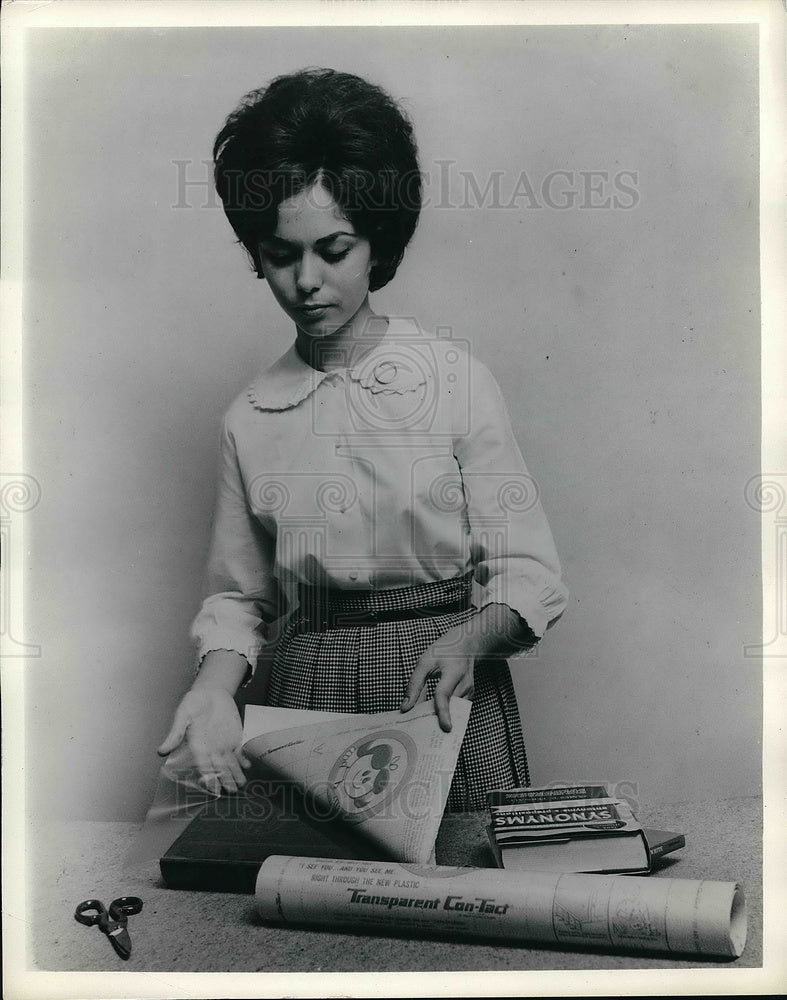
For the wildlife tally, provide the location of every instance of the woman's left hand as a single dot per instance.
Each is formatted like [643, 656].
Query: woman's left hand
[452, 659]
[495, 631]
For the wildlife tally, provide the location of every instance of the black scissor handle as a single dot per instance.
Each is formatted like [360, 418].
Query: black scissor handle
[83, 914]
[124, 906]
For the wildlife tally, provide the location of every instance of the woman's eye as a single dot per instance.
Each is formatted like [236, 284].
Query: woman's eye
[279, 258]
[334, 256]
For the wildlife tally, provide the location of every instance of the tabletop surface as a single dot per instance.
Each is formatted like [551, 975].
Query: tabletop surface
[185, 931]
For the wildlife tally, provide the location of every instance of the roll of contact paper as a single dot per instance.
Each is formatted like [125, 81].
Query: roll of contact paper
[682, 916]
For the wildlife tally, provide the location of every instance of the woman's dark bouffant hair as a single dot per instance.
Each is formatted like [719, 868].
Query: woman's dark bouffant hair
[319, 124]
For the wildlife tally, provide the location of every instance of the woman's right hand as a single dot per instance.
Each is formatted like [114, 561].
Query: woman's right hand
[208, 718]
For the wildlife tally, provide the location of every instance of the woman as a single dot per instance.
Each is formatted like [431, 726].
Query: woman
[370, 478]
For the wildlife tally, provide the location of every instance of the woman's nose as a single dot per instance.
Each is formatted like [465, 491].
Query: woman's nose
[308, 276]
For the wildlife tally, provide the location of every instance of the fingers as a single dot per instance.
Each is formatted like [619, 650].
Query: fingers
[218, 768]
[219, 772]
[442, 700]
[235, 769]
[456, 678]
[447, 686]
[415, 686]
[210, 722]
[208, 771]
[175, 736]
[441, 697]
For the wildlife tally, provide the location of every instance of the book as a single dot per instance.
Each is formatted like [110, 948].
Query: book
[548, 793]
[576, 828]
[661, 842]
[222, 848]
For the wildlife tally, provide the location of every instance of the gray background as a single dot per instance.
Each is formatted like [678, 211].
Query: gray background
[625, 341]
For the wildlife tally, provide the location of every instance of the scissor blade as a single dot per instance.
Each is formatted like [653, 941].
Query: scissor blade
[121, 941]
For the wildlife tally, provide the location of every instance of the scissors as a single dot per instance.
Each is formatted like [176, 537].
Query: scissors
[113, 921]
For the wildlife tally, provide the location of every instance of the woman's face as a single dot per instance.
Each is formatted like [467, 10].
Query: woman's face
[317, 264]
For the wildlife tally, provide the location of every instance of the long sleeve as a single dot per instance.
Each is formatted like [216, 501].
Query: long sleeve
[241, 593]
[511, 544]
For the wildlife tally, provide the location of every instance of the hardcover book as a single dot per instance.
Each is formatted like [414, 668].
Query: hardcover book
[578, 828]
[223, 847]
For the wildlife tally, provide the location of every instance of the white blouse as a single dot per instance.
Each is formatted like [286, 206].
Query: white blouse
[401, 470]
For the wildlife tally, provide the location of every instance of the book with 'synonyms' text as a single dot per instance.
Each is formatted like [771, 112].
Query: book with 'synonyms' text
[572, 828]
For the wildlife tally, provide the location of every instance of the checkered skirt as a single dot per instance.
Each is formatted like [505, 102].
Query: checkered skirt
[365, 668]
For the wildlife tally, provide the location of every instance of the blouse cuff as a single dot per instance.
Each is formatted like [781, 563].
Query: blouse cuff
[250, 651]
[538, 611]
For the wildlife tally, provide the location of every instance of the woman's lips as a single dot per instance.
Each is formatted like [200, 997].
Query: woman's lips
[314, 310]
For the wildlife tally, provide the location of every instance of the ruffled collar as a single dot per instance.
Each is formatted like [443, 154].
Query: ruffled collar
[393, 367]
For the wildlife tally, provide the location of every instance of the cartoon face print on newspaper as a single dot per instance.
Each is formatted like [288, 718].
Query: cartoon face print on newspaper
[369, 775]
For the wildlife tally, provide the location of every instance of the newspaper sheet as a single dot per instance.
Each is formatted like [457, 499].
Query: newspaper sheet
[403, 814]
[388, 774]
[679, 916]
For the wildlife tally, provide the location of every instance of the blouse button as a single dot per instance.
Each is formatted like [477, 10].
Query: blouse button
[353, 575]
